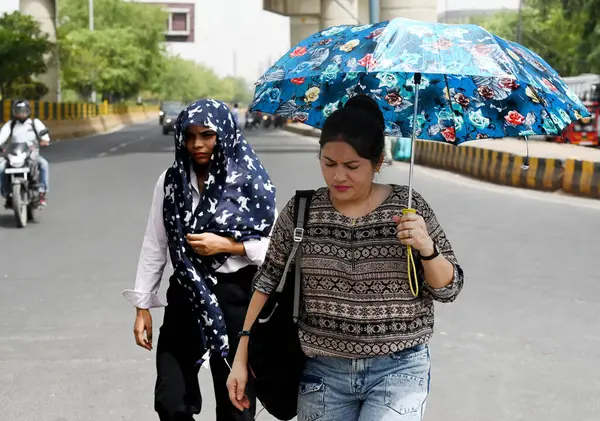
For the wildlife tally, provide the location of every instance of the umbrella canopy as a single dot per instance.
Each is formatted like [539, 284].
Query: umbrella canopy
[473, 84]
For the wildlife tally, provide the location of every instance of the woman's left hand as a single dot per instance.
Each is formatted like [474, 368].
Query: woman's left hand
[208, 244]
[412, 231]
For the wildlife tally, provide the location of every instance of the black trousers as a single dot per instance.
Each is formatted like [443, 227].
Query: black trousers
[177, 394]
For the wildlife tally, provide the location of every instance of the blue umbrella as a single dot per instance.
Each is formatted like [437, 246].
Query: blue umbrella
[448, 83]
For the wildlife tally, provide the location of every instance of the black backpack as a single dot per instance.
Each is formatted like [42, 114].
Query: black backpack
[274, 354]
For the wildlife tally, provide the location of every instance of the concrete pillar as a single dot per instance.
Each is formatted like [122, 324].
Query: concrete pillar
[424, 10]
[340, 12]
[44, 11]
[302, 27]
[363, 11]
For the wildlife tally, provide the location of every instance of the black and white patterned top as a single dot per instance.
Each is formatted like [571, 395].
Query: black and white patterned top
[356, 298]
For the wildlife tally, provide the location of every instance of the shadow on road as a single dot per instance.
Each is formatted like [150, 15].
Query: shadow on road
[7, 220]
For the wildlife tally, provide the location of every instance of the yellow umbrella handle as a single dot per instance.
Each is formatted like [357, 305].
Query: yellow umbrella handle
[413, 279]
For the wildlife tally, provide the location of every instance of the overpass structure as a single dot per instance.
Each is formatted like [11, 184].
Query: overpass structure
[46, 13]
[310, 16]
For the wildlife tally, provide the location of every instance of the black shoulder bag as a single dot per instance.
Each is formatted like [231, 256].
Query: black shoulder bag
[275, 357]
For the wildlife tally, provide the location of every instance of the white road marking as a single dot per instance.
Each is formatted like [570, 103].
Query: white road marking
[121, 145]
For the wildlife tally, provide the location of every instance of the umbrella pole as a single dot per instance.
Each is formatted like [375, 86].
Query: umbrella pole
[413, 141]
[413, 277]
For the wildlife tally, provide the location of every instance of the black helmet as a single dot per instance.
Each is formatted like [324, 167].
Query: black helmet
[21, 110]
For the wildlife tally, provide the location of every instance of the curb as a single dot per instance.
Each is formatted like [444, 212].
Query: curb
[582, 178]
[303, 131]
[574, 176]
[493, 166]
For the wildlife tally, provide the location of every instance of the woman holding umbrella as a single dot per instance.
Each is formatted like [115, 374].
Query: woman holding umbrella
[365, 332]
[213, 210]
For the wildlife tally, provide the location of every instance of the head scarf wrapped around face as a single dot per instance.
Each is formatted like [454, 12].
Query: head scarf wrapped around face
[238, 201]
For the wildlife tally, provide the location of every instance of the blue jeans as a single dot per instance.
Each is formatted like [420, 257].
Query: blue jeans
[44, 176]
[387, 388]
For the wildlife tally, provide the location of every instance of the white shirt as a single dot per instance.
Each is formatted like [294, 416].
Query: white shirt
[23, 132]
[154, 253]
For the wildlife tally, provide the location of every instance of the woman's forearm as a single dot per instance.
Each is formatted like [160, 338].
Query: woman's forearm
[439, 272]
[234, 248]
[256, 304]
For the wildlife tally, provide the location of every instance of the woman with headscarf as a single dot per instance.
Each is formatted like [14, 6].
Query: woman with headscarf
[213, 210]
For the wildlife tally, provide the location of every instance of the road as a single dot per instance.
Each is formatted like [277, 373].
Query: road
[521, 342]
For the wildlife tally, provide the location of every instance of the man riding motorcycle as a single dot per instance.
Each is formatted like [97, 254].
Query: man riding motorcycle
[22, 128]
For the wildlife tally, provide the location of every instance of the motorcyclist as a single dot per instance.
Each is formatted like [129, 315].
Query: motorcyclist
[236, 113]
[23, 128]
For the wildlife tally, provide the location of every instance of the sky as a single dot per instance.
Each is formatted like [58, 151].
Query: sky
[8, 6]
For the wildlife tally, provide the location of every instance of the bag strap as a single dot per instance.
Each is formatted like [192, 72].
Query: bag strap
[305, 197]
[301, 209]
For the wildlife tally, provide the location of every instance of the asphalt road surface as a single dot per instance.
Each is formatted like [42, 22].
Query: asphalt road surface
[522, 342]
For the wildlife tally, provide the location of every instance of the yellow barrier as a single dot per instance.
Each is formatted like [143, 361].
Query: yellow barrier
[67, 120]
[52, 111]
[582, 178]
[494, 166]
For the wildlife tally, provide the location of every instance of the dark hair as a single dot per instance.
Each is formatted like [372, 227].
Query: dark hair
[360, 124]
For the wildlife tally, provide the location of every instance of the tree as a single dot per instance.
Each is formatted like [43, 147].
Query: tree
[585, 13]
[184, 80]
[548, 29]
[23, 51]
[92, 59]
[121, 55]
[242, 90]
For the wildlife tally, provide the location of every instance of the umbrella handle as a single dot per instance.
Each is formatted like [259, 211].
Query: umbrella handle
[413, 280]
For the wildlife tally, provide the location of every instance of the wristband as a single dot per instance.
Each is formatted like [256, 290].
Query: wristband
[244, 333]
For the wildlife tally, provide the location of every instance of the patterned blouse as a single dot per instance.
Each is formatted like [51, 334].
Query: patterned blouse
[356, 300]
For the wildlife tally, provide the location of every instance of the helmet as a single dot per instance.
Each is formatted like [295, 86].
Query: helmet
[21, 110]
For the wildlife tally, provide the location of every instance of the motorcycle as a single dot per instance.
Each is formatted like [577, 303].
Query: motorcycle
[23, 176]
[267, 121]
[252, 121]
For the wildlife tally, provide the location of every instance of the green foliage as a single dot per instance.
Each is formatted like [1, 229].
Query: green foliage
[120, 56]
[183, 80]
[557, 34]
[23, 52]
[93, 58]
[124, 56]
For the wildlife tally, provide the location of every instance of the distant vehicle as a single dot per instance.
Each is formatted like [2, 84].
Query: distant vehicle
[22, 174]
[170, 111]
[169, 107]
[586, 131]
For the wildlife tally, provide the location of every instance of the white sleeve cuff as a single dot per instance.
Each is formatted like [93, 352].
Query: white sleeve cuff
[256, 250]
[142, 299]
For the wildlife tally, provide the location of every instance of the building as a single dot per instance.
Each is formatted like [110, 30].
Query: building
[231, 37]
